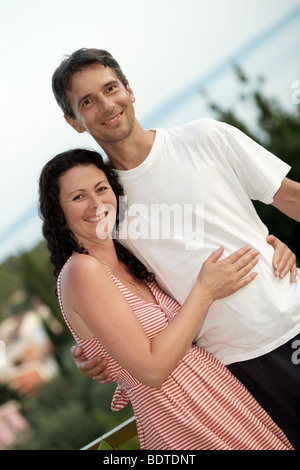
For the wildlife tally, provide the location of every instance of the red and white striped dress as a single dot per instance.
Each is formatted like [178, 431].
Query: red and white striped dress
[201, 405]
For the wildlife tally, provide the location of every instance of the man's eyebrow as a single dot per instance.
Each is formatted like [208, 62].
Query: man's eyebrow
[105, 85]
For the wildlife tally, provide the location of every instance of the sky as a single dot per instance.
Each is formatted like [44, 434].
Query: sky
[165, 48]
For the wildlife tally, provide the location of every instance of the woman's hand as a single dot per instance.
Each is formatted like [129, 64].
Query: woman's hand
[284, 260]
[219, 279]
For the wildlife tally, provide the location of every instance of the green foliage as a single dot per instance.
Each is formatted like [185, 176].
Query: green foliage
[7, 394]
[131, 444]
[70, 411]
[276, 129]
[105, 446]
[29, 273]
[10, 282]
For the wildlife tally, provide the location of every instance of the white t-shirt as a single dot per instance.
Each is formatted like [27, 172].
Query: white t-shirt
[207, 172]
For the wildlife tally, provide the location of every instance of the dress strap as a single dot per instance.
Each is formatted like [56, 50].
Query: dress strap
[58, 285]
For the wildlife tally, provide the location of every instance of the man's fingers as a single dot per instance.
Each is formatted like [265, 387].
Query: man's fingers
[284, 260]
[97, 370]
[99, 379]
[293, 273]
[76, 351]
[288, 265]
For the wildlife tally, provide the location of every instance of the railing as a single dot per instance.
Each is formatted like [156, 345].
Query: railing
[114, 438]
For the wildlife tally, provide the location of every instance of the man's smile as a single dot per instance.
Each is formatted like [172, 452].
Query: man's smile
[114, 120]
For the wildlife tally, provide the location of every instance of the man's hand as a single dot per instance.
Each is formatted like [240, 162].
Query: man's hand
[284, 260]
[94, 368]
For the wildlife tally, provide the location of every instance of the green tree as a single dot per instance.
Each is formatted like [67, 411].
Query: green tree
[31, 273]
[70, 411]
[10, 282]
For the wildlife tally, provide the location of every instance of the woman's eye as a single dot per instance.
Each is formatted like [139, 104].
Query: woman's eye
[77, 198]
[101, 189]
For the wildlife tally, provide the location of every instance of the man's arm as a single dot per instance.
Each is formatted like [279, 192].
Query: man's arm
[287, 199]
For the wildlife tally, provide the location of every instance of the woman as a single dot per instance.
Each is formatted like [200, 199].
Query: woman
[182, 397]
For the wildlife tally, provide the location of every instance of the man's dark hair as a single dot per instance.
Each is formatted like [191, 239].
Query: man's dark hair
[76, 62]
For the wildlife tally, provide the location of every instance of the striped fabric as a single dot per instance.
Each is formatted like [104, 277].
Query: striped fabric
[201, 406]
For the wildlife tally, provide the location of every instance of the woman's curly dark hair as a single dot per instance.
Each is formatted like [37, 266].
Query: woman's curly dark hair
[61, 242]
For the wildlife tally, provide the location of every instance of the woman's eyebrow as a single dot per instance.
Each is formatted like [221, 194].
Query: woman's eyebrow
[82, 189]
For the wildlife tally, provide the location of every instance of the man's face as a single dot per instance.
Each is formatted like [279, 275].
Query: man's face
[102, 105]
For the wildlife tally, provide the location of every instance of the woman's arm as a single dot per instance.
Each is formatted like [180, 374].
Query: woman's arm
[105, 313]
[284, 262]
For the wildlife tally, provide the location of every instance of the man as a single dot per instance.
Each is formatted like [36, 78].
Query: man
[214, 171]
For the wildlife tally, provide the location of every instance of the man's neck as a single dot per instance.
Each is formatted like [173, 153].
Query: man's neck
[131, 152]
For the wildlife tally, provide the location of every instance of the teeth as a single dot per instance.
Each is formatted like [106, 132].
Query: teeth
[113, 119]
[96, 219]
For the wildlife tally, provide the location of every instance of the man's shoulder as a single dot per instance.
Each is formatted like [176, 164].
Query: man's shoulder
[199, 130]
[203, 126]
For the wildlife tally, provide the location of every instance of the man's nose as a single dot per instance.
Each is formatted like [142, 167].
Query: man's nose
[105, 105]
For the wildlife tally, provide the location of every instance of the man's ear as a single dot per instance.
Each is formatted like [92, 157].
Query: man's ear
[131, 94]
[73, 123]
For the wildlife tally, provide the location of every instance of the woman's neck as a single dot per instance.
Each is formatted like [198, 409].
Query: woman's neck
[103, 250]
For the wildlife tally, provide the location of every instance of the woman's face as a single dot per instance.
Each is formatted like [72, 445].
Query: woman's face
[88, 203]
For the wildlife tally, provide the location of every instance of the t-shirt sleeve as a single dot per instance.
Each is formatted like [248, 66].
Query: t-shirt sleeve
[258, 170]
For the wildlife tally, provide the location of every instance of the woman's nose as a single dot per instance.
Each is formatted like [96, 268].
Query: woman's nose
[93, 201]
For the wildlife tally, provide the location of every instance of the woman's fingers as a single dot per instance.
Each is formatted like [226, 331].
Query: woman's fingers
[248, 265]
[246, 280]
[237, 255]
[215, 255]
[242, 258]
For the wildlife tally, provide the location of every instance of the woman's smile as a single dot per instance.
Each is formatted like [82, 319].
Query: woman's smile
[96, 218]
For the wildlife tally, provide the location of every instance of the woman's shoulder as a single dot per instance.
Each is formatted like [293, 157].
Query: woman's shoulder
[82, 267]
[83, 260]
